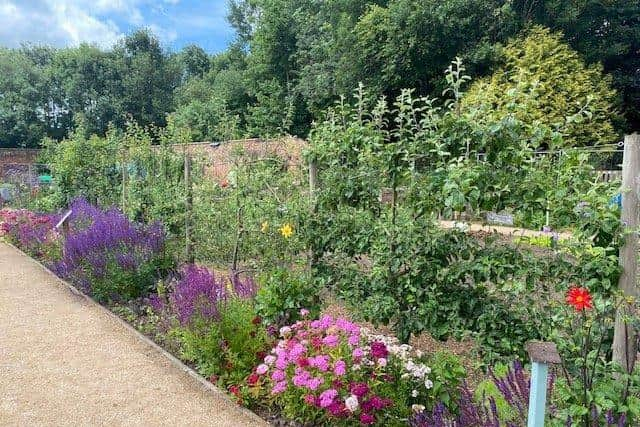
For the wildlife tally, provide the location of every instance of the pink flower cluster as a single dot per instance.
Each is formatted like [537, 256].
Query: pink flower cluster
[8, 219]
[328, 365]
[27, 229]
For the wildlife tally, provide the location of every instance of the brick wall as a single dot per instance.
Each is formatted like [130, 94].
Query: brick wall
[219, 156]
[18, 155]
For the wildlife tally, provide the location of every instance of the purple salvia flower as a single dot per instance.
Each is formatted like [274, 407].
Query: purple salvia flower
[197, 293]
[243, 287]
[609, 417]
[622, 421]
[156, 303]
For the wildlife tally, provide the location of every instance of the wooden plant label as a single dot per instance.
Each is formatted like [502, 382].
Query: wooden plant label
[64, 219]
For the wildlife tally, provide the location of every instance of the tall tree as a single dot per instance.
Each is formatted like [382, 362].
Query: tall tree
[90, 85]
[544, 80]
[195, 61]
[602, 31]
[25, 101]
[148, 78]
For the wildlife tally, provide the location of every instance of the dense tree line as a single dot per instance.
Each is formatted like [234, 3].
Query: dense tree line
[293, 58]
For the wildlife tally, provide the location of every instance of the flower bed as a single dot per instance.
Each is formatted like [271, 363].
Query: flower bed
[339, 373]
[104, 253]
[32, 232]
[316, 371]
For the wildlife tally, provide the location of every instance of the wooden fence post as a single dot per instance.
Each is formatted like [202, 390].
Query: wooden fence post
[188, 207]
[313, 184]
[313, 193]
[624, 338]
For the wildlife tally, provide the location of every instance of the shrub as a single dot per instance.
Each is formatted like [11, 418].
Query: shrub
[331, 371]
[214, 322]
[111, 257]
[542, 65]
[283, 293]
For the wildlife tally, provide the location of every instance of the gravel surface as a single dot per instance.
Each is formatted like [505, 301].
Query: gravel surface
[65, 361]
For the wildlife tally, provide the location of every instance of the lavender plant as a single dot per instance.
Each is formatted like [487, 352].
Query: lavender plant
[197, 293]
[111, 257]
[503, 403]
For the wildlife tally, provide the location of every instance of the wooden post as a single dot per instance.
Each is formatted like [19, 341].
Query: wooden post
[189, 207]
[30, 180]
[125, 171]
[624, 337]
[313, 184]
[541, 354]
[313, 256]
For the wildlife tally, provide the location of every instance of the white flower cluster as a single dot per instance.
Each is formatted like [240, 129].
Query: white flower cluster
[352, 403]
[416, 371]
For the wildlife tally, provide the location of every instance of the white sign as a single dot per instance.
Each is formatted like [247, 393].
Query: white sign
[64, 218]
[502, 219]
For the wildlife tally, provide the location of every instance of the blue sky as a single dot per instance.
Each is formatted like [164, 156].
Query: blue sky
[70, 22]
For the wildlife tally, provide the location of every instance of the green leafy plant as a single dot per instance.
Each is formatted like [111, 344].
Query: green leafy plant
[283, 293]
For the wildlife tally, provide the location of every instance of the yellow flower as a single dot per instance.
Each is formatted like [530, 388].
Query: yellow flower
[264, 227]
[286, 230]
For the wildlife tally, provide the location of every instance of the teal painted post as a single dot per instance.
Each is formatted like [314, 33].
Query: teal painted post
[537, 394]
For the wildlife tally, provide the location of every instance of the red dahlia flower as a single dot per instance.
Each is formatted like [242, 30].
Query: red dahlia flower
[579, 298]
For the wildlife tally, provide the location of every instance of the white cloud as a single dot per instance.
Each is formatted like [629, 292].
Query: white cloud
[166, 35]
[103, 22]
[60, 23]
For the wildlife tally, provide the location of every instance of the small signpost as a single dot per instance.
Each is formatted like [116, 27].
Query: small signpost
[64, 223]
[500, 219]
[541, 354]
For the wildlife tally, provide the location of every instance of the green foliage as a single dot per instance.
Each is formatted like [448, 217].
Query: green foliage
[204, 121]
[24, 89]
[386, 173]
[228, 347]
[239, 220]
[447, 375]
[544, 81]
[283, 293]
[154, 186]
[605, 32]
[84, 167]
[116, 283]
[196, 61]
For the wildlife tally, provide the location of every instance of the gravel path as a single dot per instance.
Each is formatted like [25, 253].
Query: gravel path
[65, 361]
[507, 231]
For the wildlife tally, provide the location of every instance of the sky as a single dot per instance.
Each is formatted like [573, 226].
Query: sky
[70, 22]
